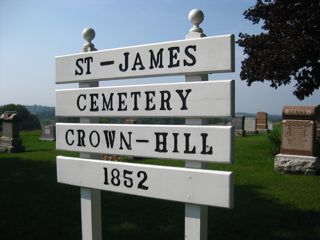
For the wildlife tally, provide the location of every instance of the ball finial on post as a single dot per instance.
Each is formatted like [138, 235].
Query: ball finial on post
[196, 17]
[88, 34]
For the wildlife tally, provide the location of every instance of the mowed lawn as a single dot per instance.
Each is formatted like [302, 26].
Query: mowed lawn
[267, 205]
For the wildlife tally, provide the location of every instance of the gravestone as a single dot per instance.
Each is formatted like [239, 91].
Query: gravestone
[270, 126]
[262, 122]
[238, 124]
[250, 125]
[10, 140]
[298, 141]
[48, 133]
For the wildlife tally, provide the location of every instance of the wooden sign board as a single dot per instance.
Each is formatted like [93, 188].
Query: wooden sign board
[197, 99]
[212, 188]
[197, 143]
[202, 55]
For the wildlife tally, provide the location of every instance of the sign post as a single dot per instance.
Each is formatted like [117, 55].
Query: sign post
[196, 216]
[90, 198]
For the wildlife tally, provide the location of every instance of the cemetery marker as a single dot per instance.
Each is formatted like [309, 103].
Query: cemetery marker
[10, 140]
[298, 141]
[198, 188]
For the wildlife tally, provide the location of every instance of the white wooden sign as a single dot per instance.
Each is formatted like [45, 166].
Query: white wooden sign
[212, 188]
[203, 55]
[198, 99]
[197, 143]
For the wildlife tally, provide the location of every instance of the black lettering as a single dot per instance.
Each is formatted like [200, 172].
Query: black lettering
[115, 177]
[138, 62]
[91, 138]
[87, 60]
[144, 178]
[161, 144]
[128, 181]
[149, 100]
[80, 72]
[78, 102]
[173, 55]
[204, 144]
[184, 98]
[175, 142]
[93, 100]
[187, 149]
[109, 137]
[165, 100]
[81, 136]
[66, 137]
[190, 55]
[123, 67]
[156, 62]
[122, 105]
[106, 180]
[107, 105]
[123, 140]
[135, 100]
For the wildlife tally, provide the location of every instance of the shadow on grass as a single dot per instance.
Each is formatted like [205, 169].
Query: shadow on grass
[255, 217]
[34, 206]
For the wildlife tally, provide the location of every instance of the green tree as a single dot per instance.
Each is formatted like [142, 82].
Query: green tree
[27, 120]
[289, 47]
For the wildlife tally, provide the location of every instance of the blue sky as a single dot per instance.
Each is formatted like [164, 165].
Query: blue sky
[34, 32]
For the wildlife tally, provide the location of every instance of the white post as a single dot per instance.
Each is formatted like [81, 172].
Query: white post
[196, 216]
[90, 198]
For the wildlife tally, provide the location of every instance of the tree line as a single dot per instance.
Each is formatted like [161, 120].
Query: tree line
[27, 120]
[30, 117]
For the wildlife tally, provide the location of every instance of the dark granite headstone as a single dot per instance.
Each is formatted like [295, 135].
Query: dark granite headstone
[48, 133]
[10, 140]
[238, 124]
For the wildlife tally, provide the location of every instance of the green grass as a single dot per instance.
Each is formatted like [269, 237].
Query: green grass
[267, 205]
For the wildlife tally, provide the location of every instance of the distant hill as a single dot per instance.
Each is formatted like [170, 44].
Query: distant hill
[44, 113]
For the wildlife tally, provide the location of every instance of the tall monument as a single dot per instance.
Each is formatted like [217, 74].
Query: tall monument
[10, 140]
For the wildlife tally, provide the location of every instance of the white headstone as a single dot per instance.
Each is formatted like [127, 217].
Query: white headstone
[250, 125]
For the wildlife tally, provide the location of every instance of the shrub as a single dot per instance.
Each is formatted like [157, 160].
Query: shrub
[275, 139]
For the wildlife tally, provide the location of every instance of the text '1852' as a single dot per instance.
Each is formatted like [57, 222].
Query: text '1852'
[125, 178]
